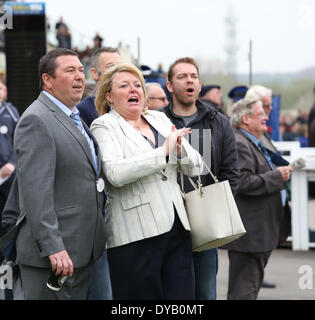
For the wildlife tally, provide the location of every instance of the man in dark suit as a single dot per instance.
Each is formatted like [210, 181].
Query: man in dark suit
[259, 197]
[58, 170]
[101, 59]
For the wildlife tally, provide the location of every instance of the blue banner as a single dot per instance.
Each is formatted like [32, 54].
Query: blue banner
[29, 8]
[273, 121]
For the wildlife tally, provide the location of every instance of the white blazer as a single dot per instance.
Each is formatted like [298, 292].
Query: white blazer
[139, 201]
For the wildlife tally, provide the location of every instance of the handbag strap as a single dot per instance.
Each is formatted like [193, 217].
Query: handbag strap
[215, 179]
[199, 179]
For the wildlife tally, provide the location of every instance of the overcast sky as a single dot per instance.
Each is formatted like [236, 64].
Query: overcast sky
[282, 30]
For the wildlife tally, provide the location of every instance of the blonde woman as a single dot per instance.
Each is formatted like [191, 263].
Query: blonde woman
[148, 233]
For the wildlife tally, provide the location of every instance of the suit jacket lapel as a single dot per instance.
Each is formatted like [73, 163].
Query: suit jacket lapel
[97, 150]
[69, 126]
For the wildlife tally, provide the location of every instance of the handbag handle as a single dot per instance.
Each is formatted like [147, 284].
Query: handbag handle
[199, 187]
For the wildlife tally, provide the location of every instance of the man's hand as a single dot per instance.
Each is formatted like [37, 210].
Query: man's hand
[7, 170]
[285, 172]
[61, 263]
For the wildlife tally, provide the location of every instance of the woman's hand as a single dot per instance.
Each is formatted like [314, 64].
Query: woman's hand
[181, 134]
[173, 143]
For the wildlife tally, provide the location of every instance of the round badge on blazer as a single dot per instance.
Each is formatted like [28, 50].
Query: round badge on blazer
[4, 129]
[100, 185]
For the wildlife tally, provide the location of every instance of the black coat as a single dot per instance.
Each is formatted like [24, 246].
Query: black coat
[8, 119]
[87, 110]
[223, 147]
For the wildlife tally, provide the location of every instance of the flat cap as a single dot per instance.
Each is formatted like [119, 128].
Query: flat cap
[206, 88]
[237, 92]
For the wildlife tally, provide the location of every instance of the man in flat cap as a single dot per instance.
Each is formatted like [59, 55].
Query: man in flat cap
[212, 94]
[237, 93]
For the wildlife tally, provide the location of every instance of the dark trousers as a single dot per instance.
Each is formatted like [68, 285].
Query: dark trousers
[158, 268]
[246, 273]
[206, 269]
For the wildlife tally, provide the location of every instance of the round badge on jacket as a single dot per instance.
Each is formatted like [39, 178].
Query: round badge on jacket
[4, 129]
[100, 185]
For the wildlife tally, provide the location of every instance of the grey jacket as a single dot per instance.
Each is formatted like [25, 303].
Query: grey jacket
[57, 188]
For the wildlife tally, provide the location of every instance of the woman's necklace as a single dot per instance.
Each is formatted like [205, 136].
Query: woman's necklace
[140, 129]
[145, 131]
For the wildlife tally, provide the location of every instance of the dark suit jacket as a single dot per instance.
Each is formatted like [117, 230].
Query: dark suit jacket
[258, 199]
[87, 110]
[6, 145]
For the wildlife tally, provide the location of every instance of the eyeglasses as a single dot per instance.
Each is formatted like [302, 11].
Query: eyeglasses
[158, 98]
[260, 115]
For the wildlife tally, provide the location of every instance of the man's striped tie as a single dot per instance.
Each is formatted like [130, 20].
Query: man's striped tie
[76, 119]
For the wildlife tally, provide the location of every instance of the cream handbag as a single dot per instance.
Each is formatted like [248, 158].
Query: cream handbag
[212, 213]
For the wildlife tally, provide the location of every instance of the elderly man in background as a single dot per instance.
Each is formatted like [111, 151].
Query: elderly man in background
[259, 200]
[265, 96]
[156, 96]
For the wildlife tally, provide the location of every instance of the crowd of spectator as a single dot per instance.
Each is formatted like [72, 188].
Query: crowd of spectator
[244, 155]
[294, 128]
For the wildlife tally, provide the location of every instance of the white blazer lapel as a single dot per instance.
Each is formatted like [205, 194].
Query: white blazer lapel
[130, 133]
[157, 124]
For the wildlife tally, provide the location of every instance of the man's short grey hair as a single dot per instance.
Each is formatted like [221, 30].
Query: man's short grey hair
[258, 92]
[96, 55]
[152, 84]
[241, 108]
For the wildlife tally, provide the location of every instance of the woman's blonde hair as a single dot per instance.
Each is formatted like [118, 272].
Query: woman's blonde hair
[106, 81]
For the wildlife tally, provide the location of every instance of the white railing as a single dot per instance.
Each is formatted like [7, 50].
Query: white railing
[299, 193]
